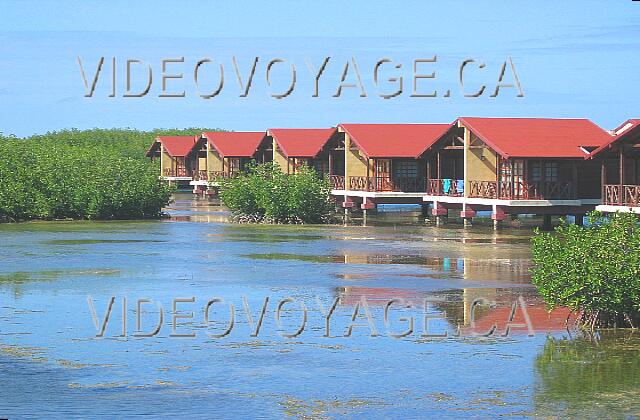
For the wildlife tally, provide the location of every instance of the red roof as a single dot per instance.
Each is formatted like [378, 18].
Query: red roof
[301, 142]
[235, 143]
[176, 146]
[537, 137]
[625, 130]
[394, 140]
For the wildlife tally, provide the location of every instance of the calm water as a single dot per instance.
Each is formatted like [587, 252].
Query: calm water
[52, 364]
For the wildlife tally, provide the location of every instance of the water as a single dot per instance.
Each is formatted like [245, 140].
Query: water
[52, 364]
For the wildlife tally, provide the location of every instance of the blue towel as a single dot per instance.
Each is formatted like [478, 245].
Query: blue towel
[460, 186]
[446, 185]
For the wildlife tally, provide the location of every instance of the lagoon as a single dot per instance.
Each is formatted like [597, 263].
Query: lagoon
[52, 364]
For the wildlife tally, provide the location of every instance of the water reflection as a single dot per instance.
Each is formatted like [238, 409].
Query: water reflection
[589, 378]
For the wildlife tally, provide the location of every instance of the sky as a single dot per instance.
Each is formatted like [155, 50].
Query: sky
[573, 59]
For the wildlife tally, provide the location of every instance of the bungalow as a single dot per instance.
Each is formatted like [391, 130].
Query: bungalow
[176, 158]
[221, 154]
[294, 147]
[620, 169]
[383, 163]
[515, 166]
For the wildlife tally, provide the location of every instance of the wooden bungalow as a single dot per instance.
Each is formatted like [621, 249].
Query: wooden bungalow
[222, 154]
[177, 162]
[294, 147]
[383, 163]
[619, 160]
[515, 166]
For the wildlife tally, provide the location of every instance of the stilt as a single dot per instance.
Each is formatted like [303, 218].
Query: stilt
[424, 211]
[579, 219]
[546, 222]
[498, 215]
[367, 204]
[467, 214]
[440, 213]
[347, 204]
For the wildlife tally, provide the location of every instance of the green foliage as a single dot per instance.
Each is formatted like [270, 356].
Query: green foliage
[81, 174]
[594, 270]
[266, 194]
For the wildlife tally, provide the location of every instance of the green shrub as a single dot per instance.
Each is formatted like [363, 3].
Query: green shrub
[594, 270]
[82, 174]
[265, 194]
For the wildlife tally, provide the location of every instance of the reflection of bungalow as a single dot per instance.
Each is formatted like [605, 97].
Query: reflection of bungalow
[222, 154]
[515, 165]
[383, 162]
[620, 169]
[177, 162]
[294, 147]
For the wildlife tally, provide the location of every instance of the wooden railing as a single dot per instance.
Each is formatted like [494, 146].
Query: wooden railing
[522, 190]
[213, 175]
[337, 182]
[383, 183]
[442, 187]
[200, 175]
[630, 195]
[177, 172]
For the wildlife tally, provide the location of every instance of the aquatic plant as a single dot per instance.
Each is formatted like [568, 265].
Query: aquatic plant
[81, 174]
[266, 194]
[593, 270]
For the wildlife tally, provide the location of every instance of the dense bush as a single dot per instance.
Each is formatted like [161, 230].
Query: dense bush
[265, 194]
[594, 270]
[89, 174]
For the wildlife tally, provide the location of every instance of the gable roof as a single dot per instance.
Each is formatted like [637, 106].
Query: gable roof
[394, 140]
[624, 131]
[235, 143]
[537, 137]
[176, 146]
[301, 142]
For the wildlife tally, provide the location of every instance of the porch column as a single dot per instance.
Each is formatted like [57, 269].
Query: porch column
[330, 164]
[603, 181]
[347, 203]
[621, 195]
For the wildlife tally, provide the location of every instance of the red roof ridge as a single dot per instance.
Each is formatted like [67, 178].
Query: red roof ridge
[375, 143]
[292, 145]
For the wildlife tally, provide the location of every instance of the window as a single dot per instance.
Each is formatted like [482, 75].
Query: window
[405, 169]
[234, 165]
[535, 170]
[551, 171]
[383, 168]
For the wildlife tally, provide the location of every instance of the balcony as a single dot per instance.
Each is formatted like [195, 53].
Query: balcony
[521, 190]
[179, 172]
[448, 187]
[621, 195]
[387, 184]
[337, 182]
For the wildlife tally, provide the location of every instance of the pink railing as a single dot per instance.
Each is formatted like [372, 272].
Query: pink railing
[522, 190]
[384, 183]
[630, 195]
[441, 187]
[337, 182]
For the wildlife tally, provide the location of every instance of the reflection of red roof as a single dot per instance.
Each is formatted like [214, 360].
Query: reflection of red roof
[176, 146]
[541, 320]
[537, 137]
[301, 142]
[235, 143]
[394, 140]
[626, 130]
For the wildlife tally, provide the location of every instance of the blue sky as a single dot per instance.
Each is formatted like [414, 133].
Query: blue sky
[573, 59]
